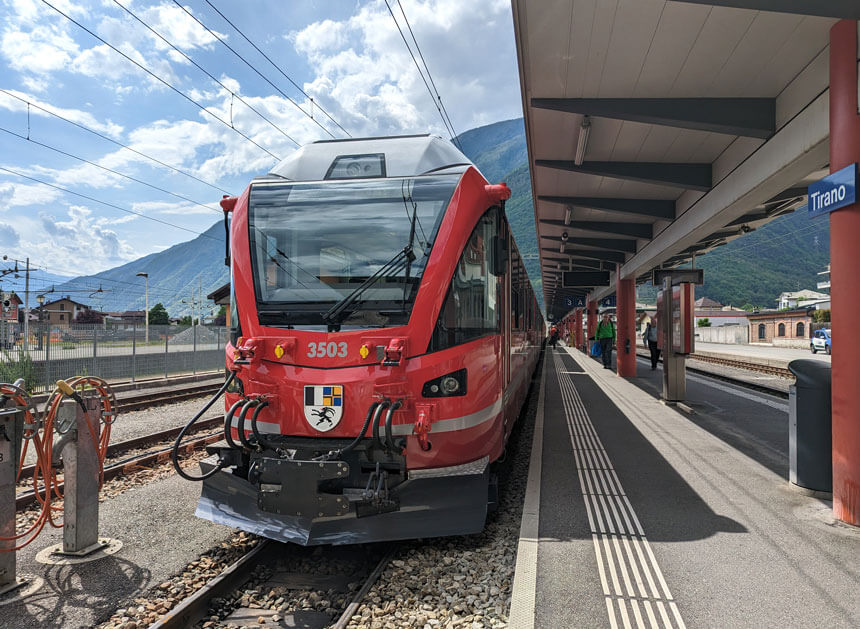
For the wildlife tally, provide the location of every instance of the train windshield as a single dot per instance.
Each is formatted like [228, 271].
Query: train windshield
[343, 255]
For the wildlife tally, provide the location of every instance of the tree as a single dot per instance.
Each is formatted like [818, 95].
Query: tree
[158, 315]
[821, 316]
[221, 317]
[704, 322]
[186, 320]
[89, 315]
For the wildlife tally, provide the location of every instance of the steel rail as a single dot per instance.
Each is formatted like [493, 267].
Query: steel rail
[126, 466]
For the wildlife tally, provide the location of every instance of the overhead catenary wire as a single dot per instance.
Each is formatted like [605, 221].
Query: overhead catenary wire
[251, 66]
[207, 73]
[106, 169]
[420, 72]
[274, 65]
[163, 81]
[429, 76]
[99, 201]
[115, 142]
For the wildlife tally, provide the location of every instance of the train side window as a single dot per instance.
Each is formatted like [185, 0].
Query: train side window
[471, 307]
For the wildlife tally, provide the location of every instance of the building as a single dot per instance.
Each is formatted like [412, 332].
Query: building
[717, 314]
[784, 328]
[60, 312]
[824, 281]
[126, 320]
[221, 297]
[804, 299]
[11, 305]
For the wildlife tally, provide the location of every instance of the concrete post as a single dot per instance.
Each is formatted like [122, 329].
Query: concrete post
[844, 262]
[8, 467]
[81, 475]
[626, 328]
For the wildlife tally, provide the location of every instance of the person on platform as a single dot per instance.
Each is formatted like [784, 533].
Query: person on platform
[553, 336]
[649, 339]
[605, 335]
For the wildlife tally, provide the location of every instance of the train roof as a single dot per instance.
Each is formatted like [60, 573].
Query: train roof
[396, 156]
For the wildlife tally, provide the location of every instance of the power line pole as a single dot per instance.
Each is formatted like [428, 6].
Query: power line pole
[27, 308]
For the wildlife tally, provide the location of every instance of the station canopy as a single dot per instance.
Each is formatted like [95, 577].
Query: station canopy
[658, 130]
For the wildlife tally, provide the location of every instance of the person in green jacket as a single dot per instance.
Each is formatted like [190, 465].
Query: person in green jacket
[605, 335]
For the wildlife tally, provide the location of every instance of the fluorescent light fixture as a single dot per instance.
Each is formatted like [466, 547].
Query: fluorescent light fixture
[561, 249]
[567, 214]
[582, 140]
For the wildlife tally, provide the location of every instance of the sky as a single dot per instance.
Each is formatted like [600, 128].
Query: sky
[173, 106]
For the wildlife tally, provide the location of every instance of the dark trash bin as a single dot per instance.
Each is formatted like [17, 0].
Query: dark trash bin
[810, 438]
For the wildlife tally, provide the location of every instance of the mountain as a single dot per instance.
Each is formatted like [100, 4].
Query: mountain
[496, 149]
[751, 271]
[40, 280]
[784, 255]
[174, 275]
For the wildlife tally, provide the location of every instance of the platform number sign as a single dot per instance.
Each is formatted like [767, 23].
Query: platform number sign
[608, 302]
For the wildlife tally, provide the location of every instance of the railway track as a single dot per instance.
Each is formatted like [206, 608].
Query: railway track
[773, 370]
[340, 576]
[140, 399]
[141, 460]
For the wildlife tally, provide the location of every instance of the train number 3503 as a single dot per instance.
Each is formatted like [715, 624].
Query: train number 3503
[323, 350]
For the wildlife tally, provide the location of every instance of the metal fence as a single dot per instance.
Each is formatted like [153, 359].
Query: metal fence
[115, 353]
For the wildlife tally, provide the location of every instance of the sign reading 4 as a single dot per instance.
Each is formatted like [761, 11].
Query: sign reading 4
[325, 349]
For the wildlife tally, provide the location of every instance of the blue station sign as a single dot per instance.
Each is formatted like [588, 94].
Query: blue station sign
[833, 192]
[575, 302]
[609, 302]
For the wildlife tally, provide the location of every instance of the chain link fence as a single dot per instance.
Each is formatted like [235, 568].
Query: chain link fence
[115, 353]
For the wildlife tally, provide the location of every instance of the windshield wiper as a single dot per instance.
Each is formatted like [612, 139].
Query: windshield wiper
[403, 258]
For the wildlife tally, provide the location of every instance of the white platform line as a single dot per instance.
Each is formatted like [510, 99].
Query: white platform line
[618, 532]
[524, 589]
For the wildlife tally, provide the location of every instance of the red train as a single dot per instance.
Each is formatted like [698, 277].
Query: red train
[384, 337]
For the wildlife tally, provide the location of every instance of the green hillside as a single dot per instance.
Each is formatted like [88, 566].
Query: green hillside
[784, 255]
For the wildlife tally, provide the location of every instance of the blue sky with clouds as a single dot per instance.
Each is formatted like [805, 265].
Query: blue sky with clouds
[59, 84]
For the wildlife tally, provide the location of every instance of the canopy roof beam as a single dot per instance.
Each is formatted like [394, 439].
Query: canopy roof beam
[750, 117]
[635, 230]
[843, 9]
[594, 254]
[615, 244]
[687, 176]
[655, 208]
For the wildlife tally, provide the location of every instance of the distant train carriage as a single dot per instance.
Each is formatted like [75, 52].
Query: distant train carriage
[384, 334]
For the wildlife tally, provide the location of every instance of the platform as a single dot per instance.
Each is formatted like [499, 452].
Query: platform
[638, 514]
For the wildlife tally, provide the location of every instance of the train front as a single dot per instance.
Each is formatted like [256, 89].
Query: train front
[348, 420]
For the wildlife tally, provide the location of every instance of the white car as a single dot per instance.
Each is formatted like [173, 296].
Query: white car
[820, 341]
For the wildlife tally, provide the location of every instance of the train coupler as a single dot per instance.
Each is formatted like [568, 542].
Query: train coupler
[290, 487]
[376, 497]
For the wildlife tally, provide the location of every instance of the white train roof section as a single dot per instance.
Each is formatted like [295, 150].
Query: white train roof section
[405, 156]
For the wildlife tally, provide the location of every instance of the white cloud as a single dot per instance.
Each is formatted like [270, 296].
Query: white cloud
[82, 240]
[8, 236]
[23, 194]
[366, 78]
[181, 209]
[76, 115]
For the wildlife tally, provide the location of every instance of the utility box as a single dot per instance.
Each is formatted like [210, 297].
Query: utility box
[810, 435]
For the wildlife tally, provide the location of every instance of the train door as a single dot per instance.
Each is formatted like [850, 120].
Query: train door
[506, 310]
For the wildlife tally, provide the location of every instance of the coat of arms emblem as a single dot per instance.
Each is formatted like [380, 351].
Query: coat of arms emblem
[323, 406]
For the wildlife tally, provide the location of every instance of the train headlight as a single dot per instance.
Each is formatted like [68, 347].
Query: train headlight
[450, 385]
